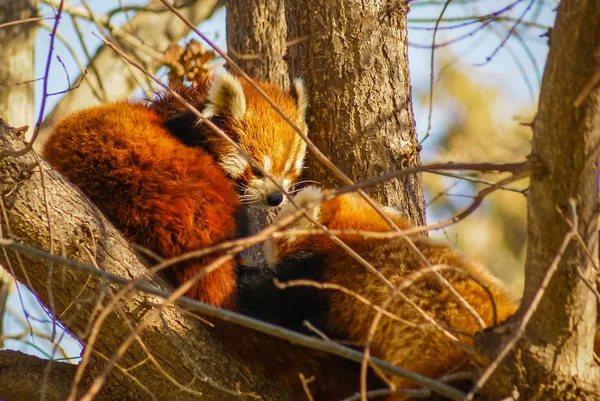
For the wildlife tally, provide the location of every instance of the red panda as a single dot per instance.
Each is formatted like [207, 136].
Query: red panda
[409, 341]
[170, 183]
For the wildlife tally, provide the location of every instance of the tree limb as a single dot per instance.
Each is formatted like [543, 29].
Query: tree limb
[21, 375]
[180, 345]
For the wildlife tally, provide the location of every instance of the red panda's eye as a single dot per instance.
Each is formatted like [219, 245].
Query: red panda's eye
[257, 173]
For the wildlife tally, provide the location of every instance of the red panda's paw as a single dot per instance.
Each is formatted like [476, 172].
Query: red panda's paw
[348, 212]
[309, 197]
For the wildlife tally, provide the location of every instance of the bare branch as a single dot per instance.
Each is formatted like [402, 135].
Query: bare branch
[110, 67]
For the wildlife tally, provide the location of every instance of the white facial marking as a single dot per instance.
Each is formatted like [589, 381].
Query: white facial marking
[288, 165]
[299, 162]
[234, 164]
[267, 164]
[286, 183]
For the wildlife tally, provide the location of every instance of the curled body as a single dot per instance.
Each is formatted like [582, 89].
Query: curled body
[405, 336]
[172, 184]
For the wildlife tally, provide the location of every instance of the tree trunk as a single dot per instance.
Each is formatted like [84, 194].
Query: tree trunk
[181, 345]
[256, 42]
[17, 53]
[353, 57]
[16, 86]
[157, 31]
[256, 38]
[555, 355]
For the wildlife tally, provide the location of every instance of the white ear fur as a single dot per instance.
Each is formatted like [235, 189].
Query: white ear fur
[226, 96]
[298, 92]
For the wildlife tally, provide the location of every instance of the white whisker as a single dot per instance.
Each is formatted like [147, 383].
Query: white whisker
[307, 181]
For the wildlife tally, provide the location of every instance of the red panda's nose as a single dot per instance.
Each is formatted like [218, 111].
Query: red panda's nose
[275, 198]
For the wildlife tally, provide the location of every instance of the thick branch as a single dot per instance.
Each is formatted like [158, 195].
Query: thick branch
[157, 30]
[181, 345]
[557, 350]
[21, 375]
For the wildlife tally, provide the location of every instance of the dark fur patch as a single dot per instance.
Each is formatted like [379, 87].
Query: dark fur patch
[243, 222]
[259, 297]
[183, 127]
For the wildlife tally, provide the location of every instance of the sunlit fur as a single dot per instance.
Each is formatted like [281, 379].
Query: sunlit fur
[160, 193]
[246, 117]
[423, 349]
[170, 183]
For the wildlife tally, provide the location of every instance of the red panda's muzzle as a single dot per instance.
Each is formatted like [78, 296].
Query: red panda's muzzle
[275, 198]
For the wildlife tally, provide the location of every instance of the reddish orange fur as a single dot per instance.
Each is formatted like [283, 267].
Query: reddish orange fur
[422, 348]
[172, 199]
[166, 179]
[160, 193]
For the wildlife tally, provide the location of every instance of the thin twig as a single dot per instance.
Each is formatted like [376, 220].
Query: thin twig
[24, 21]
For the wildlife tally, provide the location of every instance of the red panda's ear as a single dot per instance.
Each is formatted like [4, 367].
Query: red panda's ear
[225, 97]
[298, 92]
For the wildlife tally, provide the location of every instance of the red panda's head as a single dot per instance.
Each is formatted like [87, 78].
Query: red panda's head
[243, 114]
[348, 212]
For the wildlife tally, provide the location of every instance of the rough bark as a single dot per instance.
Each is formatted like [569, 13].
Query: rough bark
[256, 38]
[17, 53]
[555, 356]
[256, 33]
[6, 283]
[156, 30]
[353, 57]
[180, 344]
[21, 375]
